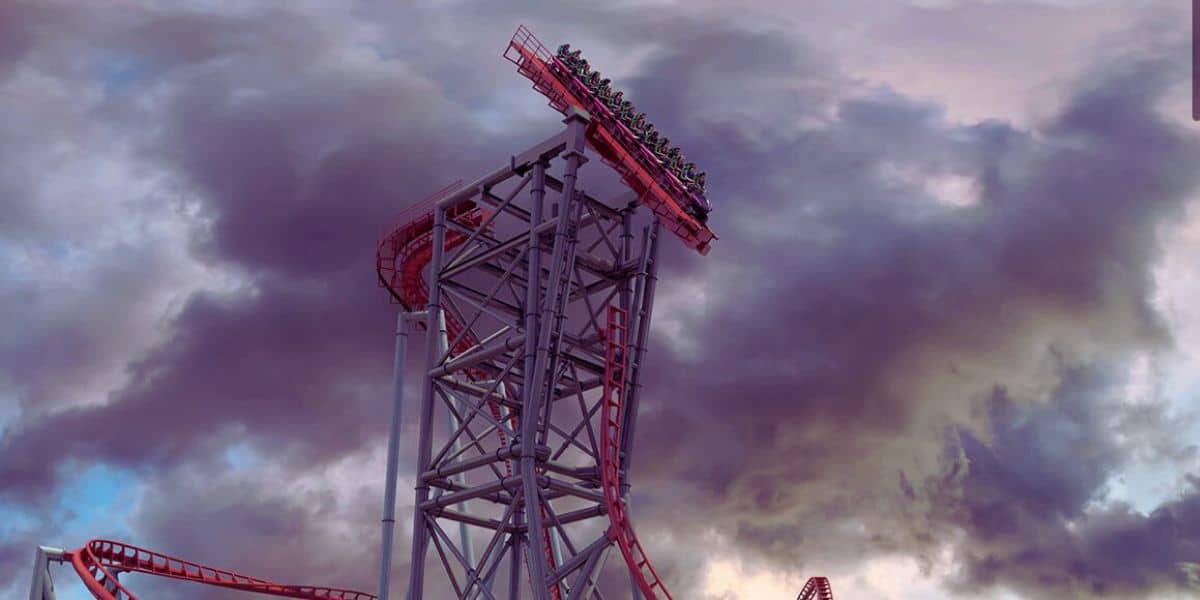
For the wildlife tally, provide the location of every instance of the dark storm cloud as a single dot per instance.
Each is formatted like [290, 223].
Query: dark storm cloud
[263, 527]
[1022, 496]
[850, 321]
[296, 181]
[845, 344]
[296, 162]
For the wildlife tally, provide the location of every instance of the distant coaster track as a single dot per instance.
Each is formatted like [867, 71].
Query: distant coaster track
[817, 588]
[99, 563]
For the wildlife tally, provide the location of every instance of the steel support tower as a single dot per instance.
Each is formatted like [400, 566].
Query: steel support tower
[537, 303]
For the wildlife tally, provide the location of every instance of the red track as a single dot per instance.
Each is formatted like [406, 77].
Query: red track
[817, 588]
[621, 528]
[98, 562]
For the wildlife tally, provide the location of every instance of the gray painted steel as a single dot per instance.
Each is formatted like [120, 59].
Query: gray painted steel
[517, 472]
[42, 585]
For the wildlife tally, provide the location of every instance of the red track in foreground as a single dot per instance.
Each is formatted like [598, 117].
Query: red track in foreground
[99, 561]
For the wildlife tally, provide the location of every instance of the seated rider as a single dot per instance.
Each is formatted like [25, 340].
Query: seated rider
[674, 159]
[687, 173]
[593, 80]
[700, 180]
[649, 137]
[623, 111]
[660, 149]
[637, 121]
[603, 90]
[564, 51]
[614, 101]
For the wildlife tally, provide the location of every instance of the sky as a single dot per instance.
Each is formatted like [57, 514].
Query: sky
[948, 344]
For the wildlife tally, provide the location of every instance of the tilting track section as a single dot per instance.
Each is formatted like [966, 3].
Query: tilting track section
[100, 563]
[616, 144]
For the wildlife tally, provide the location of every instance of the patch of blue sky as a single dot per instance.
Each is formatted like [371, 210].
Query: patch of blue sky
[119, 72]
[67, 585]
[94, 501]
[97, 502]
[1146, 485]
[241, 456]
[15, 519]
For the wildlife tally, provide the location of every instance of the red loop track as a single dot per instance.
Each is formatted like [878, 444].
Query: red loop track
[100, 561]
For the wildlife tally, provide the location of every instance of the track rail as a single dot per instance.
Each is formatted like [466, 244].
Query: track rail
[621, 527]
[99, 562]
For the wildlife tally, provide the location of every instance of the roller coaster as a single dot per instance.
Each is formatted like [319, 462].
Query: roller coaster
[536, 299]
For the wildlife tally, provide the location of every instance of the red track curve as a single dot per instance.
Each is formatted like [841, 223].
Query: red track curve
[621, 528]
[97, 560]
[817, 588]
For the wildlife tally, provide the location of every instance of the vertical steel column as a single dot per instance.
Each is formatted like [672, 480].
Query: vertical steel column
[42, 585]
[416, 588]
[645, 309]
[393, 457]
[514, 575]
[529, 405]
[637, 347]
[552, 313]
[464, 533]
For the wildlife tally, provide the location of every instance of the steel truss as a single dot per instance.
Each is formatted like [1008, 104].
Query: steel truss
[538, 302]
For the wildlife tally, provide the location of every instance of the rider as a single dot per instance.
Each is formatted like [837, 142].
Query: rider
[687, 173]
[614, 102]
[637, 122]
[625, 112]
[581, 69]
[660, 148]
[674, 159]
[603, 89]
[649, 136]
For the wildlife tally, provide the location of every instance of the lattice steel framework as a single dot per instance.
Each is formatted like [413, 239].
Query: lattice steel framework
[538, 297]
